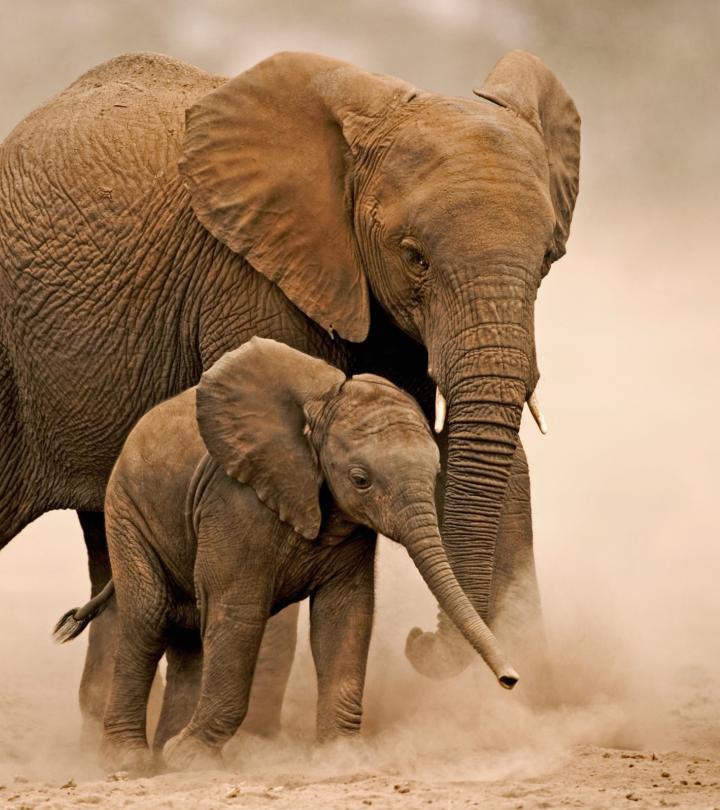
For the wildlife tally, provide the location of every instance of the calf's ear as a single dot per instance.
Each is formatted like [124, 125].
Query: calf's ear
[250, 414]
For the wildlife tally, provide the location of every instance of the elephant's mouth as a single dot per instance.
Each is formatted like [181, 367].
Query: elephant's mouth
[533, 404]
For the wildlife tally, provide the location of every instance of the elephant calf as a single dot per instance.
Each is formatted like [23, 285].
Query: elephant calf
[264, 484]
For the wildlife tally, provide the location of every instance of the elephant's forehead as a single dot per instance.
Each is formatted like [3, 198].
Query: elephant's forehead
[385, 446]
[377, 398]
[366, 411]
[442, 130]
[450, 162]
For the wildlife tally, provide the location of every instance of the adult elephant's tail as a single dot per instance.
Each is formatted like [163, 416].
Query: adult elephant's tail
[73, 622]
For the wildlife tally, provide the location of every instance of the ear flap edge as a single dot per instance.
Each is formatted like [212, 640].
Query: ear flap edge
[522, 83]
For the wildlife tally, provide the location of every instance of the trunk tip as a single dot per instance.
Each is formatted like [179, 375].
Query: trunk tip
[508, 678]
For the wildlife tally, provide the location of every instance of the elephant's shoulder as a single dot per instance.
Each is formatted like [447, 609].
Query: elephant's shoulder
[150, 72]
[137, 90]
[130, 100]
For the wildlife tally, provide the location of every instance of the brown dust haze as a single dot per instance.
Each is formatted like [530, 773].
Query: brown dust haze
[624, 485]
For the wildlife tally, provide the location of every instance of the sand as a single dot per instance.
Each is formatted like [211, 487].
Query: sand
[632, 728]
[586, 776]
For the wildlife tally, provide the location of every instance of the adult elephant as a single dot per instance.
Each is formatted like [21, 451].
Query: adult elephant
[154, 216]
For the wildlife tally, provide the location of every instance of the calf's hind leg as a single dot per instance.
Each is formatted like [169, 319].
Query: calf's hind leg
[143, 604]
[125, 745]
[102, 638]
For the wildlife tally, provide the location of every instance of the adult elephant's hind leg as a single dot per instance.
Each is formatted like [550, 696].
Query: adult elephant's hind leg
[272, 673]
[102, 640]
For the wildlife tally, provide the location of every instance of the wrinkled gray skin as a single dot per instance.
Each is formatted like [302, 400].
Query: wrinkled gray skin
[153, 216]
[193, 512]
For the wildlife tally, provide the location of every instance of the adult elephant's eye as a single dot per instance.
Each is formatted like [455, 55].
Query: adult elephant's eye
[414, 254]
[359, 477]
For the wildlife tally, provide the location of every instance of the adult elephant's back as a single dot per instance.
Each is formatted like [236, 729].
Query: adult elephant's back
[86, 182]
[112, 295]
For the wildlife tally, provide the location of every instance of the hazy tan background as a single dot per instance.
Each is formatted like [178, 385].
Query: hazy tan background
[624, 486]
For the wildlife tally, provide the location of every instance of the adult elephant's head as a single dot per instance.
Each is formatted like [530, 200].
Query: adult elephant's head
[335, 183]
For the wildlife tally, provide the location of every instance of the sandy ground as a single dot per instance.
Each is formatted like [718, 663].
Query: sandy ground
[586, 776]
[633, 728]
[581, 776]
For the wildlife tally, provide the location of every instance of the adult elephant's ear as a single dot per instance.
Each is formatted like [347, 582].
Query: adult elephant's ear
[250, 414]
[267, 160]
[524, 84]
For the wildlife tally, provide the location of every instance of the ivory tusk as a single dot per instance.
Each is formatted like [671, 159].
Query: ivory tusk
[440, 411]
[537, 414]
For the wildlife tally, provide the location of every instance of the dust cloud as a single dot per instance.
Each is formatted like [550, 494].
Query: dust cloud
[624, 485]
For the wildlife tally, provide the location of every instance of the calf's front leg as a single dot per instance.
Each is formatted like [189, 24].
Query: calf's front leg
[341, 615]
[272, 673]
[234, 623]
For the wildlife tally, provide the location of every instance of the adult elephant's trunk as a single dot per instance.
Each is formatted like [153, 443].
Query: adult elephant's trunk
[421, 537]
[484, 414]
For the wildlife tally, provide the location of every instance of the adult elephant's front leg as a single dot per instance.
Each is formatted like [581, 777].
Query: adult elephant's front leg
[272, 672]
[515, 608]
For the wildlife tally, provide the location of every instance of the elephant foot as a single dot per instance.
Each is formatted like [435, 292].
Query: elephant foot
[185, 752]
[134, 758]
